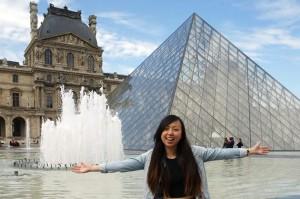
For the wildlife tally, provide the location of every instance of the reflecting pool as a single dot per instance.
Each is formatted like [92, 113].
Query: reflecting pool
[276, 175]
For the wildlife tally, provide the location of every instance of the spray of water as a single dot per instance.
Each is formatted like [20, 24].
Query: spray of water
[27, 134]
[90, 134]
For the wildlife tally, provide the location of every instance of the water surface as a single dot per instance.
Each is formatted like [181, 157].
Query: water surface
[274, 176]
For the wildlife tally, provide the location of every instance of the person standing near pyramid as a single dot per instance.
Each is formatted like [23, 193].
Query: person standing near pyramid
[240, 143]
[174, 168]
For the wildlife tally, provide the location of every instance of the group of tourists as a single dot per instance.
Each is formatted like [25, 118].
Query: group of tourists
[229, 142]
[14, 143]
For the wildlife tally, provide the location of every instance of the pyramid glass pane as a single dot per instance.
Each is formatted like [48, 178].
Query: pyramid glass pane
[145, 97]
[214, 87]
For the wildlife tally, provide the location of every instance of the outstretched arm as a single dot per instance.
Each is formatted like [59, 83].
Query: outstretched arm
[130, 164]
[209, 154]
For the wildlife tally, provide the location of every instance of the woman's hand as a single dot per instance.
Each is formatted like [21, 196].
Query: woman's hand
[84, 168]
[260, 150]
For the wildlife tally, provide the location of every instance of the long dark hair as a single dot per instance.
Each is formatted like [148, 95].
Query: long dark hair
[158, 179]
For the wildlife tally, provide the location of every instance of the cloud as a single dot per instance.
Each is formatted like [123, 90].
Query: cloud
[278, 10]
[123, 53]
[281, 32]
[117, 46]
[262, 37]
[121, 18]
[15, 54]
[15, 24]
[125, 69]
[15, 28]
[256, 42]
[131, 21]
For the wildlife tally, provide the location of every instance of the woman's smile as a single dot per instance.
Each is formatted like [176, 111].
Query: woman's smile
[172, 134]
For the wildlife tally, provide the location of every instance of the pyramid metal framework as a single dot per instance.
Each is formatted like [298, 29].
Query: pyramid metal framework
[213, 86]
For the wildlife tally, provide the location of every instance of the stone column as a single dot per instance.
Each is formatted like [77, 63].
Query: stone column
[37, 103]
[92, 24]
[8, 127]
[35, 130]
[42, 96]
[33, 19]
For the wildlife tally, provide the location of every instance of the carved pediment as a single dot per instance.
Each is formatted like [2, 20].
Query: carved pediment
[70, 39]
[15, 90]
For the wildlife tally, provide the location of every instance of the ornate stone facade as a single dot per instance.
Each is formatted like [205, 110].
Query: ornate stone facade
[58, 54]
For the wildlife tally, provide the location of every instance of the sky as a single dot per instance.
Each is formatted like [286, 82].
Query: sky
[268, 31]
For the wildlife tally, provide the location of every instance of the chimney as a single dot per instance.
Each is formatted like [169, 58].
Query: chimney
[33, 19]
[92, 24]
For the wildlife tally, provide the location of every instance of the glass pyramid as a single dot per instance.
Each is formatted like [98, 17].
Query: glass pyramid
[213, 86]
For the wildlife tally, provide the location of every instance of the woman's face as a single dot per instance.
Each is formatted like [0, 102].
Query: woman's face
[172, 134]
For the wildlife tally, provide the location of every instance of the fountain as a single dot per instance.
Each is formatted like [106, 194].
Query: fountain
[27, 134]
[87, 133]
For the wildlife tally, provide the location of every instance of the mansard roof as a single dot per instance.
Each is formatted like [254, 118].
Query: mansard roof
[60, 21]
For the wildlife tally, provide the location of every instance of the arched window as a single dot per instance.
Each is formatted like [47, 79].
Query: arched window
[2, 127]
[48, 57]
[18, 127]
[91, 63]
[70, 60]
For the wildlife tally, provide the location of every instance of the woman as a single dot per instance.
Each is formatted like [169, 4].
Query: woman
[174, 168]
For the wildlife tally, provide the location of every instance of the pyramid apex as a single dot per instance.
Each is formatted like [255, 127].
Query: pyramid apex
[194, 14]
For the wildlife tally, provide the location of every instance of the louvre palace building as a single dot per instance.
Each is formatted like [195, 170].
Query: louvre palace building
[63, 51]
